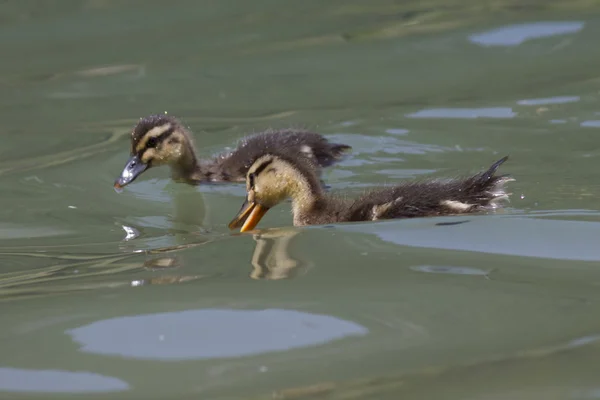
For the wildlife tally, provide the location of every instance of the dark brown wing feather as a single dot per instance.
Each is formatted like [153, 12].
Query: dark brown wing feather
[427, 197]
[234, 165]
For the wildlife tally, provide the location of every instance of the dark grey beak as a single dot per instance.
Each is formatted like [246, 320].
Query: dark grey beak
[132, 170]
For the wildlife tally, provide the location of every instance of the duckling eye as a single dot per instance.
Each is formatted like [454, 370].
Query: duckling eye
[151, 143]
[251, 178]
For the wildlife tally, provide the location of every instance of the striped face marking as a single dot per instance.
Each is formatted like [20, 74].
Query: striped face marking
[153, 137]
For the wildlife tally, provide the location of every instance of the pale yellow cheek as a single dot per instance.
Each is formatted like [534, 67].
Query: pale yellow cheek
[176, 153]
[259, 195]
[169, 155]
[268, 197]
[148, 155]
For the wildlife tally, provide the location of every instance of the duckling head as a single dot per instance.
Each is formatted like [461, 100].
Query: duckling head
[272, 179]
[157, 140]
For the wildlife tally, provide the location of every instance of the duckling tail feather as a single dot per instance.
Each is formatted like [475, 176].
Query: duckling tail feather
[489, 174]
[339, 149]
[492, 187]
[332, 154]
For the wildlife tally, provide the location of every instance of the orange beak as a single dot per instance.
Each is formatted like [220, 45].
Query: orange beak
[248, 217]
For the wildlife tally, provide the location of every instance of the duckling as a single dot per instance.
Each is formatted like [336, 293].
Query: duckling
[162, 140]
[275, 177]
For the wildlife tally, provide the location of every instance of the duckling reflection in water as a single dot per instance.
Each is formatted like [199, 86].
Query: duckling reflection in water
[162, 140]
[276, 176]
[272, 259]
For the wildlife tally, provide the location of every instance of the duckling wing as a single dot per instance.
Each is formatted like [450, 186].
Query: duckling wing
[312, 145]
[234, 165]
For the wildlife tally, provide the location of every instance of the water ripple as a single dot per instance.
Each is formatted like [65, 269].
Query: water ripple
[385, 144]
[549, 100]
[446, 269]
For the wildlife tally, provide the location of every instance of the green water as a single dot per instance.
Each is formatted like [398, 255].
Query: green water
[146, 294]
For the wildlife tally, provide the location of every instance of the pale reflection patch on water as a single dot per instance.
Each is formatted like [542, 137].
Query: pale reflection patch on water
[464, 113]
[57, 381]
[211, 333]
[514, 35]
[493, 235]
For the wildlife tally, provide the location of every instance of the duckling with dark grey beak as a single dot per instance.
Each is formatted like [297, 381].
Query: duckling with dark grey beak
[277, 176]
[162, 140]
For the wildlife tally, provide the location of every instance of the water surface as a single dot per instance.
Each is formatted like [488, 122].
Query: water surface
[146, 294]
